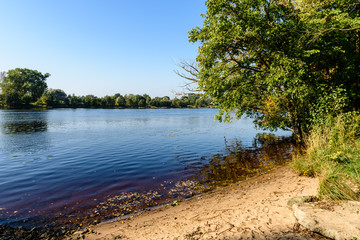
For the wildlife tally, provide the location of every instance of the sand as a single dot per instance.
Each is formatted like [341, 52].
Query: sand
[253, 209]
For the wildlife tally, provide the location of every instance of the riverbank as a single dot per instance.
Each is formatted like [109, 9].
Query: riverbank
[253, 209]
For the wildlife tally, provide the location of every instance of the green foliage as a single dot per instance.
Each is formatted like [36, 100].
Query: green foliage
[332, 153]
[21, 86]
[275, 60]
[53, 97]
[56, 98]
[329, 105]
[120, 101]
[108, 102]
[91, 101]
[26, 88]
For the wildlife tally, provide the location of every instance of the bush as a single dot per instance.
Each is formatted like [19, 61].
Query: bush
[332, 153]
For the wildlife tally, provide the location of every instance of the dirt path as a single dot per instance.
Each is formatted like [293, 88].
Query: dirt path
[254, 209]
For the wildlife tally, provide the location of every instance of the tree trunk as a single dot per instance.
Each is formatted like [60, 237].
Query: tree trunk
[357, 43]
[297, 130]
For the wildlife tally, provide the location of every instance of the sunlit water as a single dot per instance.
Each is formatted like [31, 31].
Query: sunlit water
[52, 161]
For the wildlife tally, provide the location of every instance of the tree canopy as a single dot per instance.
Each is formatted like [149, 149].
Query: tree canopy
[21, 86]
[280, 62]
[53, 97]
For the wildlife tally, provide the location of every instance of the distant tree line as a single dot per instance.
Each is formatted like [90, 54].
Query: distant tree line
[23, 88]
[58, 98]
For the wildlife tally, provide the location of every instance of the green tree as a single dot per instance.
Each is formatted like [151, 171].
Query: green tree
[132, 100]
[22, 86]
[175, 103]
[75, 101]
[184, 101]
[54, 97]
[165, 102]
[120, 101]
[147, 99]
[108, 102]
[90, 101]
[141, 101]
[192, 98]
[273, 60]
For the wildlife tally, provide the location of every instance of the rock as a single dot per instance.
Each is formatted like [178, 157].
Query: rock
[340, 221]
[300, 200]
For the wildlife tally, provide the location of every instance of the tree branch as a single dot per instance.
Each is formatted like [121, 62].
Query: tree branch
[190, 72]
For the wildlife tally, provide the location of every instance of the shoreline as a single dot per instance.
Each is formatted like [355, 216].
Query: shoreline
[226, 169]
[252, 209]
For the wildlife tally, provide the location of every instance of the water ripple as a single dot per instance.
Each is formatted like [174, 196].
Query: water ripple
[51, 160]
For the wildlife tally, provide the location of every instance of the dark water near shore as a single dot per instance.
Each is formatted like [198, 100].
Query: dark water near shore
[65, 163]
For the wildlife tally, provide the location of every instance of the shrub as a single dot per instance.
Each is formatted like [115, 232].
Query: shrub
[332, 153]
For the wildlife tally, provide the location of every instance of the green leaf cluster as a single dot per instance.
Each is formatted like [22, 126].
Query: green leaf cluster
[275, 61]
[22, 86]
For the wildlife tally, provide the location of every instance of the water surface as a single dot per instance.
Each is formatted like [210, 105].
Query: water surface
[55, 161]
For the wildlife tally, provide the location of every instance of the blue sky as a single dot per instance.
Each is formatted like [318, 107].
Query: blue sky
[101, 47]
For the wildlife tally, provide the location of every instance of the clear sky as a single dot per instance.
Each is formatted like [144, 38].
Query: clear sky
[100, 47]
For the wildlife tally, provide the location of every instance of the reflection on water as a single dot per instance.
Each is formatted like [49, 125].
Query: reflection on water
[238, 163]
[25, 132]
[67, 165]
[24, 127]
[23, 122]
[267, 152]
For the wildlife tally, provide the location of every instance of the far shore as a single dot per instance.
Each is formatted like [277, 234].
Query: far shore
[252, 209]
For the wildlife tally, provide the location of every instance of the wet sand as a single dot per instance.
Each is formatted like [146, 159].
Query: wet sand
[253, 209]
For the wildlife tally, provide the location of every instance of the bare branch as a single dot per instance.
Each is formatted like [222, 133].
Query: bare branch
[190, 72]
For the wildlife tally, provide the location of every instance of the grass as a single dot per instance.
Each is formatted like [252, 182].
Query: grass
[332, 153]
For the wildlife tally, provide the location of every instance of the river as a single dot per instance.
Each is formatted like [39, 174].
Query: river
[74, 162]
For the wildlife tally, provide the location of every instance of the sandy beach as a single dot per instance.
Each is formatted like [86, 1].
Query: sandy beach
[253, 209]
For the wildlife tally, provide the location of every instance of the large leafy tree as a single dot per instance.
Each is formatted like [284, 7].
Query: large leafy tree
[22, 86]
[279, 62]
[54, 97]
